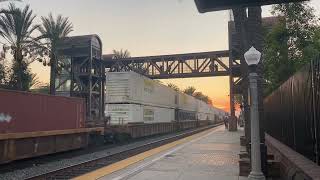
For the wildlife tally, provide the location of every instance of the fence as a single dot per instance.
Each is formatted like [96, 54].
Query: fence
[292, 112]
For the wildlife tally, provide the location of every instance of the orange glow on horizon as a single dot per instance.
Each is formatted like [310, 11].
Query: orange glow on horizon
[222, 104]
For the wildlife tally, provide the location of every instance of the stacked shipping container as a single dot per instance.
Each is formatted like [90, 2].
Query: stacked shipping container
[133, 88]
[133, 98]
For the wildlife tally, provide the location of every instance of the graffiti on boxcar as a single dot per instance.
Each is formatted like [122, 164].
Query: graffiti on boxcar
[5, 117]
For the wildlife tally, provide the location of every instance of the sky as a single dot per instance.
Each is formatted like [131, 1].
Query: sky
[148, 27]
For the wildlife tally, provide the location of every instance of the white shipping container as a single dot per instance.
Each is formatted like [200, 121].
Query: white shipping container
[205, 116]
[131, 93]
[203, 107]
[202, 116]
[188, 103]
[131, 87]
[206, 111]
[136, 113]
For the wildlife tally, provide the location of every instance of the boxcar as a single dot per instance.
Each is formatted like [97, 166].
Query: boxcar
[36, 124]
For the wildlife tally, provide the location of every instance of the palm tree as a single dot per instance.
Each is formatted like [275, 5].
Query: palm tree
[35, 82]
[202, 97]
[190, 90]
[173, 86]
[42, 88]
[8, 0]
[53, 31]
[2, 11]
[198, 95]
[16, 28]
[121, 54]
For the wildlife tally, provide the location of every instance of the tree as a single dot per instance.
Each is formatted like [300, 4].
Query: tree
[311, 51]
[5, 73]
[121, 54]
[8, 0]
[202, 97]
[2, 74]
[198, 95]
[210, 102]
[44, 89]
[277, 67]
[190, 90]
[20, 76]
[53, 31]
[238, 99]
[290, 44]
[173, 86]
[35, 82]
[16, 28]
[3, 11]
[2, 69]
[30, 80]
[300, 22]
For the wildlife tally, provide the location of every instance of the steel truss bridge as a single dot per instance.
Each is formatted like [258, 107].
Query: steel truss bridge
[204, 64]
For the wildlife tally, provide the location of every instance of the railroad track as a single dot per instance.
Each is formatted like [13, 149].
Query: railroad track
[72, 171]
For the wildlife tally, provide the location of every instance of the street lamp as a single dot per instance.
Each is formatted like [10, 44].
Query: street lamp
[252, 57]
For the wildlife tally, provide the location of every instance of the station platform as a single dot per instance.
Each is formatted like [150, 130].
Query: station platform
[209, 155]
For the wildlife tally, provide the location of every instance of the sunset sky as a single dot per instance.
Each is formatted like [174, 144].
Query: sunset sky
[148, 27]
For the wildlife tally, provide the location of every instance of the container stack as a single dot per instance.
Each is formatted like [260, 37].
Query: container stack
[133, 98]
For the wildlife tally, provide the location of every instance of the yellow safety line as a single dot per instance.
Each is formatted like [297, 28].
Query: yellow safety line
[134, 159]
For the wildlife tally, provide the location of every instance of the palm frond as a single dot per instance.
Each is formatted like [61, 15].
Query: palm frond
[8, 0]
[121, 54]
[16, 27]
[55, 28]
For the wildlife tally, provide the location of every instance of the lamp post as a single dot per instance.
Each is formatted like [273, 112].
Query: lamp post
[252, 57]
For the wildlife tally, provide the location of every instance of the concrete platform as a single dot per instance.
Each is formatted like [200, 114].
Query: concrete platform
[210, 155]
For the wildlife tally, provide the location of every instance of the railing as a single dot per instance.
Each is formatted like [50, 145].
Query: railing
[292, 112]
[292, 164]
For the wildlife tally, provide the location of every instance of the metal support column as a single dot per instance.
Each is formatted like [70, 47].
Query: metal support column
[233, 119]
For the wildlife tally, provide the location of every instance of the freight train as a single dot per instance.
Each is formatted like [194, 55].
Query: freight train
[133, 100]
[36, 124]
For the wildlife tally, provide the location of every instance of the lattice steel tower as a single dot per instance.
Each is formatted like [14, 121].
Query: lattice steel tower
[82, 74]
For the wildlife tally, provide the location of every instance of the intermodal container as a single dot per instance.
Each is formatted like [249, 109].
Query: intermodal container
[133, 88]
[136, 113]
[186, 102]
[131, 97]
[28, 112]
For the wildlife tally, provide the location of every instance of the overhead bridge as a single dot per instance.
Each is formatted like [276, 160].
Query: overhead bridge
[203, 64]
